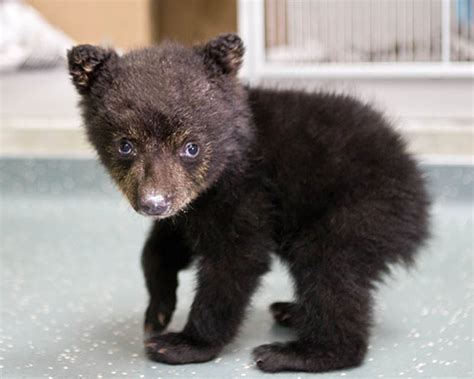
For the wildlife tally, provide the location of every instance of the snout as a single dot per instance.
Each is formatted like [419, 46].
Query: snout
[154, 204]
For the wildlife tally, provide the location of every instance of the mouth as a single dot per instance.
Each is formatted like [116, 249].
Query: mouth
[155, 216]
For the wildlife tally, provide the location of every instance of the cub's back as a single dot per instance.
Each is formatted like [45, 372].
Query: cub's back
[322, 145]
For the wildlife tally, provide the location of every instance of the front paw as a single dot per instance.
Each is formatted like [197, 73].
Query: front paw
[157, 319]
[177, 348]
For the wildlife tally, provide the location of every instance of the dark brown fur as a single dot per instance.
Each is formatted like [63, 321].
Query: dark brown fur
[321, 180]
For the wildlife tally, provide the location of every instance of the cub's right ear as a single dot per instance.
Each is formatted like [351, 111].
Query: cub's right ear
[87, 63]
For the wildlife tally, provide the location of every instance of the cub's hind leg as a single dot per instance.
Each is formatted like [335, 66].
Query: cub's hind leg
[333, 329]
[333, 308]
[335, 263]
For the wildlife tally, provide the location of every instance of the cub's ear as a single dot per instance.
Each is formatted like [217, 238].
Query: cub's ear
[223, 54]
[87, 63]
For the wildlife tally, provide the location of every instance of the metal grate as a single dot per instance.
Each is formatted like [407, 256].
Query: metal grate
[366, 31]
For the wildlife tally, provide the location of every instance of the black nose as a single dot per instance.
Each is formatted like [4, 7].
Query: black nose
[154, 205]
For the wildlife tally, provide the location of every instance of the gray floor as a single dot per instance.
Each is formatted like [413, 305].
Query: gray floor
[72, 294]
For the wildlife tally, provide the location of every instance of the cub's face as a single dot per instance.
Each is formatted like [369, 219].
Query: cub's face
[165, 121]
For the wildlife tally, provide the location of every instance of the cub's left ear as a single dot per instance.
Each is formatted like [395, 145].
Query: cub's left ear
[87, 63]
[223, 54]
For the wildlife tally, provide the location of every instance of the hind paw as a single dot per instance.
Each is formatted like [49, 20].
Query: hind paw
[284, 313]
[299, 356]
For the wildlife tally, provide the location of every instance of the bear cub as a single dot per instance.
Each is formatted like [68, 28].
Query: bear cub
[230, 175]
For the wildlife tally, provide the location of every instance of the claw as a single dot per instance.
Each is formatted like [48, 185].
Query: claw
[150, 345]
[161, 318]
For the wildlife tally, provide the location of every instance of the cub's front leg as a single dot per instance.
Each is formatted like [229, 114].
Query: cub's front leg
[164, 255]
[227, 277]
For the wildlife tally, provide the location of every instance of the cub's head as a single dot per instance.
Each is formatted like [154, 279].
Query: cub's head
[166, 121]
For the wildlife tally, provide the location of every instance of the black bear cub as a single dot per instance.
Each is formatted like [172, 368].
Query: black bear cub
[230, 175]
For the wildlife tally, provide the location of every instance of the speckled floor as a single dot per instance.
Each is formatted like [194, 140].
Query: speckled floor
[72, 294]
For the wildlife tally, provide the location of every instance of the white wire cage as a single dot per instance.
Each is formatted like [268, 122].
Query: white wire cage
[358, 38]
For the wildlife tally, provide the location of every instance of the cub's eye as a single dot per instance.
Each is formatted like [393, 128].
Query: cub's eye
[125, 148]
[191, 150]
